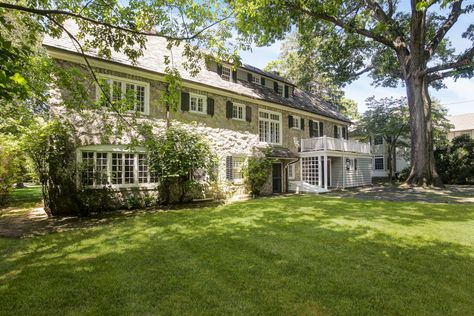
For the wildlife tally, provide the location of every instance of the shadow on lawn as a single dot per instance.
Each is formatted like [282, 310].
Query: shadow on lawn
[246, 258]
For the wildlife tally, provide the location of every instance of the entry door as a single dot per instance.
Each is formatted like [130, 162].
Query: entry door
[276, 177]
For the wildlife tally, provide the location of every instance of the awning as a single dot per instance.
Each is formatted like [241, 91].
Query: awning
[282, 153]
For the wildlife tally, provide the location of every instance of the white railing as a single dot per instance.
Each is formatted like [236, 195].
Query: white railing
[334, 144]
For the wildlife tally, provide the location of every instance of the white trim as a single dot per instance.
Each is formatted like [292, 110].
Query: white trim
[298, 120]
[153, 75]
[269, 120]
[125, 80]
[243, 111]
[204, 103]
[223, 76]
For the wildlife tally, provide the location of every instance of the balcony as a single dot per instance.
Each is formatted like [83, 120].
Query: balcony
[334, 144]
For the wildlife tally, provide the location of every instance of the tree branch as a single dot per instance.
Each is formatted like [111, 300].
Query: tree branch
[456, 11]
[48, 12]
[343, 24]
[387, 19]
[463, 60]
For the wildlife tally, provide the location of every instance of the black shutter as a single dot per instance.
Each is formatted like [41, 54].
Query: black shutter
[290, 121]
[287, 94]
[310, 124]
[229, 107]
[219, 69]
[248, 113]
[234, 75]
[262, 81]
[228, 167]
[321, 129]
[275, 86]
[249, 77]
[344, 132]
[210, 106]
[302, 123]
[335, 132]
[184, 101]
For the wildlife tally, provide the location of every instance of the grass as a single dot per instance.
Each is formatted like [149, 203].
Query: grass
[305, 255]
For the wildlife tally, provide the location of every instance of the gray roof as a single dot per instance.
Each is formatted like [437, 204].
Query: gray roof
[462, 122]
[153, 60]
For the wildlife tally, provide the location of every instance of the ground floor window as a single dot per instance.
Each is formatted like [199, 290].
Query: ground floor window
[379, 163]
[291, 171]
[234, 167]
[102, 167]
[310, 170]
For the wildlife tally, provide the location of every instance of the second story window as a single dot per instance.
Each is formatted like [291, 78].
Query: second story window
[226, 73]
[378, 140]
[296, 122]
[128, 93]
[238, 111]
[197, 103]
[269, 127]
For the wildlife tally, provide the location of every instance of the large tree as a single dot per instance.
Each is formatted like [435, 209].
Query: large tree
[394, 43]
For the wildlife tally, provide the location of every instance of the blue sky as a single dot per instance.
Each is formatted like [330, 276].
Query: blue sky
[458, 97]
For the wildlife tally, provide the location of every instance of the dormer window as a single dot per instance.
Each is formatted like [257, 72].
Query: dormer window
[280, 90]
[226, 73]
[256, 79]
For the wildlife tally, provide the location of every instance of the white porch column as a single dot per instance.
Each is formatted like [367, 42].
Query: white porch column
[326, 172]
[343, 172]
[320, 169]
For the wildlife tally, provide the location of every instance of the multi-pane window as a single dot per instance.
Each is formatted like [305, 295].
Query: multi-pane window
[296, 122]
[269, 127]
[101, 168]
[237, 164]
[310, 170]
[256, 79]
[226, 73]
[87, 173]
[378, 163]
[291, 171]
[117, 168]
[280, 89]
[197, 103]
[238, 111]
[129, 160]
[134, 94]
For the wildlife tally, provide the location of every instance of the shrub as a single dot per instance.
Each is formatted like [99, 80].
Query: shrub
[257, 171]
[10, 167]
[455, 162]
[176, 156]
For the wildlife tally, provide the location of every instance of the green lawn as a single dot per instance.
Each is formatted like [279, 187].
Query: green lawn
[305, 255]
[29, 195]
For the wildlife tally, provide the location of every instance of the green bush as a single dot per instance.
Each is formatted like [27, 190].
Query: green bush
[257, 171]
[455, 161]
[10, 167]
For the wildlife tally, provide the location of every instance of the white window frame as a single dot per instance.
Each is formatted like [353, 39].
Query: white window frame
[339, 132]
[292, 171]
[238, 106]
[204, 103]
[114, 149]
[296, 122]
[383, 162]
[267, 133]
[381, 137]
[237, 169]
[124, 81]
[256, 79]
[317, 128]
[226, 76]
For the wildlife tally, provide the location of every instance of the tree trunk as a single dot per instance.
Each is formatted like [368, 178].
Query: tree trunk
[423, 171]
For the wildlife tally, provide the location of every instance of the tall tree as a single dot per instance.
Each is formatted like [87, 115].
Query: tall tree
[394, 43]
[389, 119]
[302, 67]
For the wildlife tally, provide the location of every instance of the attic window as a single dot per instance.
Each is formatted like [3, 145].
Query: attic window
[226, 73]
[280, 90]
[256, 79]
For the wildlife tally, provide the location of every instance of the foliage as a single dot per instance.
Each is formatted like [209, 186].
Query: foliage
[176, 155]
[455, 161]
[257, 170]
[391, 41]
[10, 167]
[302, 68]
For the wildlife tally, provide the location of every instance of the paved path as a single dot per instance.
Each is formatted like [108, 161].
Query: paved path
[450, 194]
